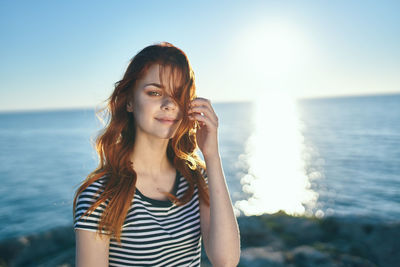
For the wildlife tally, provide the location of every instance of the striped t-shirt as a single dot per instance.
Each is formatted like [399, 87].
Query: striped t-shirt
[154, 233]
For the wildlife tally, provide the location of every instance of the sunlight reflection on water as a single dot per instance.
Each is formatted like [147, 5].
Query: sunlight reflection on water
[276, 179]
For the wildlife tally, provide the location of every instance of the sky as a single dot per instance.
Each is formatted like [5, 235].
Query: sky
[69, 54]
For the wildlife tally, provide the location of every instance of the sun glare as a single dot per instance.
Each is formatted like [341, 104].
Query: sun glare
[274, 54]
[278, 46]
[276, 179]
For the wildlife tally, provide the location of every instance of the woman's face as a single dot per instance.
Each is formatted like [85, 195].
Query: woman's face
[155, 111]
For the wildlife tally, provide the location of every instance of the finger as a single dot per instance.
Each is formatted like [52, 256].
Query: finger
[203, 111]
[205, 103]
[200, 101]
[204, 119]
[206, 112]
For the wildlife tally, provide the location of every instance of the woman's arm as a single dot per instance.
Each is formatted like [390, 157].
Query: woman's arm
[219, 227]
[90, 249]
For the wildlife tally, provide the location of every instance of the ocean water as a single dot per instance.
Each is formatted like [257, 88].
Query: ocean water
[357, 139]
[330, 157]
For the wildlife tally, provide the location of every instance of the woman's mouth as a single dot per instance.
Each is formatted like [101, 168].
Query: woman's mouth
[166, 121]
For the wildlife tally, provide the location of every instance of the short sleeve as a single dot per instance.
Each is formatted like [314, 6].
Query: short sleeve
[85, 200]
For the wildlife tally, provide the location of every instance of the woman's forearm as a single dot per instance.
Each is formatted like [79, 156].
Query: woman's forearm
[224, 237]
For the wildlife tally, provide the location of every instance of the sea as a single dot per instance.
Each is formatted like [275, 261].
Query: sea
[337, 156]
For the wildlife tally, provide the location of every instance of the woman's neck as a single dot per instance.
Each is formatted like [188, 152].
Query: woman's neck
[150, 157]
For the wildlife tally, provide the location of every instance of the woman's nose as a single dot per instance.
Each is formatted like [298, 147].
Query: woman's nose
[169, 102]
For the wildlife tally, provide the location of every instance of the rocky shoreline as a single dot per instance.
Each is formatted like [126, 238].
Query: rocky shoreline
[267, 240]
[282, 240]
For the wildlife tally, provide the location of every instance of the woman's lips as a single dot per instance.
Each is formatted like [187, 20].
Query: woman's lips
[166, 121]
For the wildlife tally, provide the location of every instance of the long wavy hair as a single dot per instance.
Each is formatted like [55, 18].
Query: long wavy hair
[114, 144]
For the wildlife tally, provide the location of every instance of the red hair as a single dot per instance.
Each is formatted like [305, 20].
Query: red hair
[115, 142]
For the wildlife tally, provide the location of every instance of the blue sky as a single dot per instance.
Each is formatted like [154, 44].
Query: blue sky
[67, 54]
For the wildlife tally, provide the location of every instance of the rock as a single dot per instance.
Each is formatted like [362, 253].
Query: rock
[63, 259]
[327, 241]
[354, 261]
[257, 233]
[262, 256]
[308, 256]
[37, 248]
[381, 244]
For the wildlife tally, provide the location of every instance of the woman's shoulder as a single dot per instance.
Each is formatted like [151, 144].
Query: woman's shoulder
[95, 187]
[85, 200]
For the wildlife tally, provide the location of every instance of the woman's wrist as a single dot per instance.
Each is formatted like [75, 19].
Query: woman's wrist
[212, 157]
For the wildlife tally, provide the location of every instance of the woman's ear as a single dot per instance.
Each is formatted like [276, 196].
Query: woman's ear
[129, 106]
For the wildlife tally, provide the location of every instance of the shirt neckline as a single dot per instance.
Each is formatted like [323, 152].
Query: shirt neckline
[162, 203]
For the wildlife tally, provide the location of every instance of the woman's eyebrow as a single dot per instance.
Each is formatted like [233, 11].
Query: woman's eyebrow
[154, 84]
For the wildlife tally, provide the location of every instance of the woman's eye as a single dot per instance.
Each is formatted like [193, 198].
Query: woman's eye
[153, 93]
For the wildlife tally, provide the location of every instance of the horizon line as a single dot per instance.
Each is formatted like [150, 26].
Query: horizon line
[72, 108]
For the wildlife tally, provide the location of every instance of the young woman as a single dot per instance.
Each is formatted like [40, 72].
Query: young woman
[152, 200]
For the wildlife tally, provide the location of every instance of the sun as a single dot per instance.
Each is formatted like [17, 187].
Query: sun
[274, 48]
